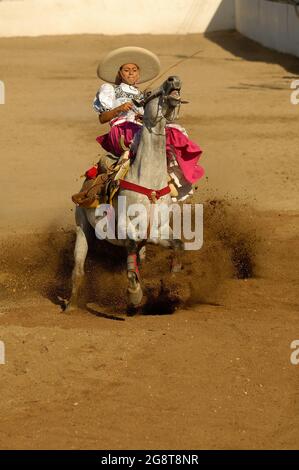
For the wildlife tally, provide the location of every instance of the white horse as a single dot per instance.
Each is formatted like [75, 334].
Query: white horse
[146, 184]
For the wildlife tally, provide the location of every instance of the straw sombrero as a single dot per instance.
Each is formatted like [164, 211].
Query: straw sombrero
[147, 61]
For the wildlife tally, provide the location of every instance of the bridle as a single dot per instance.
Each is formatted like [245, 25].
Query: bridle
[163, 98]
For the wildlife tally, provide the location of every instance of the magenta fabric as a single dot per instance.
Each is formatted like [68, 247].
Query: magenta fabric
[110, 141]
[187, 152]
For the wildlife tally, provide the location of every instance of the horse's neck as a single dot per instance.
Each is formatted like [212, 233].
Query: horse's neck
[150, 167]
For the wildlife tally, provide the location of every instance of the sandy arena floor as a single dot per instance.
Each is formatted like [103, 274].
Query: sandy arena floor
[208, 363]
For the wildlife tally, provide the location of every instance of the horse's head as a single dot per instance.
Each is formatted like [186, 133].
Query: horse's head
[171, 90]
[161, 102]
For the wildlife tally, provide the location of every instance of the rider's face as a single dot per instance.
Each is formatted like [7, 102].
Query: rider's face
[130, 73]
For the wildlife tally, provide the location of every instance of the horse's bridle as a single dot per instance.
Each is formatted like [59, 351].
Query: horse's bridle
[163, 99]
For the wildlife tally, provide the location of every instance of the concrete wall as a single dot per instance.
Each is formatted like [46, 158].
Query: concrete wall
[44, 17]
[273, 24]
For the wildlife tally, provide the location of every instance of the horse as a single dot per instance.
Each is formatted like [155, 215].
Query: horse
[145, 184]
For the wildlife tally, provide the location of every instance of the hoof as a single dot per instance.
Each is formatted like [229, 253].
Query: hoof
[132, 310]
[134, 291]
[135, 297]
[176, 267]
[70, 307]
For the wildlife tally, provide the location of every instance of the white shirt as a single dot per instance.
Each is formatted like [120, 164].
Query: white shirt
[110, 96]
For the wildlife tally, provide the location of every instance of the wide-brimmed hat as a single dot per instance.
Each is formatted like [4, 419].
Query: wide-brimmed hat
[147, 61]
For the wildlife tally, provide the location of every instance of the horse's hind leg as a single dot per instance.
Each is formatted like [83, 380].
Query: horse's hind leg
[80, 253]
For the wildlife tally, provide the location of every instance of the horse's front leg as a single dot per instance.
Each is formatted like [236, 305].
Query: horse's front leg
[80, 253]
[175, 244]
[135, 293]
[177, 247]
[176, 262]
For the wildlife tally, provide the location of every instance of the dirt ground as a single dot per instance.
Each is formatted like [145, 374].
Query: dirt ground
[207, 363]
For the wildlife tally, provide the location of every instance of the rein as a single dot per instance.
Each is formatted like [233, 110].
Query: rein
[174, 115]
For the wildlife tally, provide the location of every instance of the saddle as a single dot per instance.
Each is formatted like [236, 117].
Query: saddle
[103, 187]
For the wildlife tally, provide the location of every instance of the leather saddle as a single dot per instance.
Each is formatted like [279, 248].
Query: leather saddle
[102, 188]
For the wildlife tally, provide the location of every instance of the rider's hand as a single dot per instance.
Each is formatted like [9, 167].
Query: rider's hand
[123, 108]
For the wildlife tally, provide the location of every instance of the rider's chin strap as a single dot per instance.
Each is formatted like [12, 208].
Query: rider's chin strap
[152, 194]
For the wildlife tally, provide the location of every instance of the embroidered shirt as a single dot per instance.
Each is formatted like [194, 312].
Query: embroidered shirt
[110, 96]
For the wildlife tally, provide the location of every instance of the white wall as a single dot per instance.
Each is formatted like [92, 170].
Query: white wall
[273, 24]
[44, 17]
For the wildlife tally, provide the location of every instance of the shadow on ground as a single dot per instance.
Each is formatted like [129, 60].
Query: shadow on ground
[249, 50]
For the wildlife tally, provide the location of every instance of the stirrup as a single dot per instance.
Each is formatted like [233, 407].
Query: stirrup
[124, 160]
[122, 144]
[124, 167]
[173, 186]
